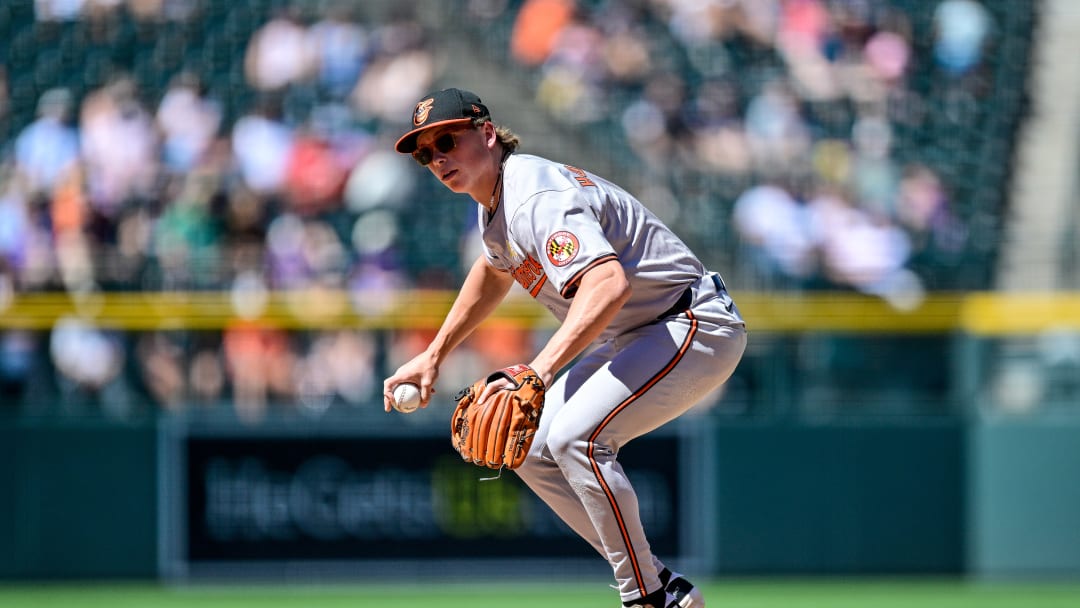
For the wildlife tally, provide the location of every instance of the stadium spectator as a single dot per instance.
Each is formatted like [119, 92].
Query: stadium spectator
[340, 49]
[803, 37]
[776, 133]
[340, 366]
[888, 51]
[925, 211]
[401, 68]
[573, 74]
[119, 147]
[260, 365]
[189, 123]
[206, 376]
[279, 53]
[537, 28]
[161, 367]
[774, 229]
[88, 361]
[49, 147]
[860, 249]
[654, 122]
[874, 177]
[716, 126]
[186, 236]
[69, 215]
[16, 229]
[261, 144]
[58, 10]
[961, 29]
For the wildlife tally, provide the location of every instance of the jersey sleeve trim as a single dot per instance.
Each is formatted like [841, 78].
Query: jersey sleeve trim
[571, 286]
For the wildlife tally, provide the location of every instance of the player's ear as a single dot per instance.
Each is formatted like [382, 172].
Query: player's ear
[491, 136]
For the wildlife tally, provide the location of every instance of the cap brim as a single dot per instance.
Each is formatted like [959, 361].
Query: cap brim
[407, 143]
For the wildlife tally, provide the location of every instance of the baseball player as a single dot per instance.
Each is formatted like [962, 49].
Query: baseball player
[658, 331]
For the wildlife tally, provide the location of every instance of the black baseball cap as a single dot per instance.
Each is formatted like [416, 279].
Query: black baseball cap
[445, 107]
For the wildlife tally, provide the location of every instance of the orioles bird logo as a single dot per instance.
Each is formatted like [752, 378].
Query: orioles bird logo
[562, 247]
[420, 115]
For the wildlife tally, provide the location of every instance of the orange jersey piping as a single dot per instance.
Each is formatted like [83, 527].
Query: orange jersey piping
[571, 286]
[611, 416]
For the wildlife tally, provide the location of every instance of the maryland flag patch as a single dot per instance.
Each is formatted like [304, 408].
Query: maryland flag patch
[562, 247]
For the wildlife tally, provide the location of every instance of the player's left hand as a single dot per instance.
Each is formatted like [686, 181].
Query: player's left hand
[497, 417]
[500, 384]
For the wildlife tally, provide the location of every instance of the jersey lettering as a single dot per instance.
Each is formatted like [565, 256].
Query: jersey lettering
[527, 272]
[580, 176]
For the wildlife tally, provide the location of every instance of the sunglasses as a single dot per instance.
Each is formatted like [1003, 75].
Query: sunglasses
[443, 143]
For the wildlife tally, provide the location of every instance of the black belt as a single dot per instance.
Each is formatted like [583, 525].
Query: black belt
[680, 305]
[687, 298]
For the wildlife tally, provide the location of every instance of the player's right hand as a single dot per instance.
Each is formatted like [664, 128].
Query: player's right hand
[420, 371]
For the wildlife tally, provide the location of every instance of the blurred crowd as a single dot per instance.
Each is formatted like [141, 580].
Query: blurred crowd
[198, 145]
[805, 113]
[127, 188]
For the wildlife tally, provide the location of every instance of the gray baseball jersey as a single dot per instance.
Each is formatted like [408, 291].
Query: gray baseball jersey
[555, 222]
[677, 339]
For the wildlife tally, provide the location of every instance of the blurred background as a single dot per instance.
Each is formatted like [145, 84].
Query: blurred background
[210, 256]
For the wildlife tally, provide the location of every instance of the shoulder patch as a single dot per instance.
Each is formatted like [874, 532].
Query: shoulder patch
[562, 247]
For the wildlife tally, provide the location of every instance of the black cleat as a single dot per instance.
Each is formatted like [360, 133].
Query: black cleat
[681, 593]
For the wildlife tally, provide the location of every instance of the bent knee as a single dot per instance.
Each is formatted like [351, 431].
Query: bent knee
[568, 445]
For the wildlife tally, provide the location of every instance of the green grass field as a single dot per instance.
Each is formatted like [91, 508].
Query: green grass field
[764, 593]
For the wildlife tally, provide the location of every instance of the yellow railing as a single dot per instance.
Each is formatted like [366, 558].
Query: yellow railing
[977, 313]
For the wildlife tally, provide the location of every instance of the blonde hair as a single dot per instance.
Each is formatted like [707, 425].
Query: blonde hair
[509, 140]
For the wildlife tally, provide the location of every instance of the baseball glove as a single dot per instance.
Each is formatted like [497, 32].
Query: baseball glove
[498, 432]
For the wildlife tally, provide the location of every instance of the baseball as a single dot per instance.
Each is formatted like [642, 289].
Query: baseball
[406, 397]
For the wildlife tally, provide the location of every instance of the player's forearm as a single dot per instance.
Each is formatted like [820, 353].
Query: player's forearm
[601, 294]
[484, 288]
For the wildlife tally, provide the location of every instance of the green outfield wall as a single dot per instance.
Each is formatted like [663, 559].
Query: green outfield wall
[78, 500]
[1024, 514]
[992, 500]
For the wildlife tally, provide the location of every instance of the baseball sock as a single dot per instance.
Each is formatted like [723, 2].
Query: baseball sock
[655, 599]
